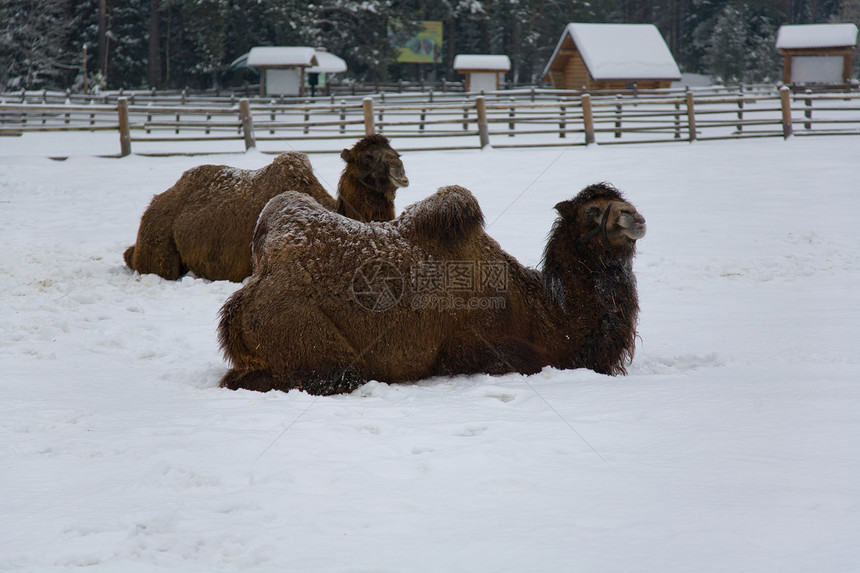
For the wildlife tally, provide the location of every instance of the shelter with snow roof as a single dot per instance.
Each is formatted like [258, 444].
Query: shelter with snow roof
[483, 72]
[285, 70]
[817, 53]
[611, 57]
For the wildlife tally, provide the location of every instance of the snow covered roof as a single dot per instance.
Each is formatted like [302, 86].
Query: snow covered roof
[482, 62]
[328, 63]
[621, 51]
[816, 36]
[281, 56]
[325, 61]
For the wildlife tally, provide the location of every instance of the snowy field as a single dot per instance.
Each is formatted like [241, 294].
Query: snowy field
[732, 446]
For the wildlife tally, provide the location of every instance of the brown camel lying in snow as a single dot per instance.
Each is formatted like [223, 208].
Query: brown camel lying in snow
[205, 222]
[334, 303]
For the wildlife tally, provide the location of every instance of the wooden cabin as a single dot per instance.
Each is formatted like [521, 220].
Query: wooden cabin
[817, 54]
[611, 57]
[483, 72]
[282, 68]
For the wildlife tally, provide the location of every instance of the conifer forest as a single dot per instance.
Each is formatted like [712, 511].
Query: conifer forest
[164, 44]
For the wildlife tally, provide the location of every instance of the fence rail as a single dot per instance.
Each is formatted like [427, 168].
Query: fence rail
[393, 91]
[523, 118]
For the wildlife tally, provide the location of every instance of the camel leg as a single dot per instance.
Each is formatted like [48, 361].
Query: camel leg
[330, 366]
[155, 250]
[128, 257]
[511, 355]
[257, 380]
[341, 381]
[157, 255]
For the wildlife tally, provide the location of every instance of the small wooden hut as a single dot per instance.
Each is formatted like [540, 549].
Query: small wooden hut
[611, 57]
[483, 72]
[282, 68]
[817, 53]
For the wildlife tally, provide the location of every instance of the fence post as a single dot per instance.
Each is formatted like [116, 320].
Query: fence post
[588, 119]
[618, 116]
[691, 116]
[367, 106]
[124, 130]
[740, 125]
[807, 113]
[272, 115]
[483, 127]
[785, 96]
[343, 116]
[512, 112]
[562, 124]
[247, 123]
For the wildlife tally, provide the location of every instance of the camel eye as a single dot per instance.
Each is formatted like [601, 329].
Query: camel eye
[592, 212]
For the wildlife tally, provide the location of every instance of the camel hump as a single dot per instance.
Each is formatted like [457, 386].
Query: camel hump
[293, 159]
[449, 217]
[201, 173]
[293, 170]
[285, 216]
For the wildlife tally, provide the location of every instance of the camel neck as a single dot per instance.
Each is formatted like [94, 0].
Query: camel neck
[597, 308]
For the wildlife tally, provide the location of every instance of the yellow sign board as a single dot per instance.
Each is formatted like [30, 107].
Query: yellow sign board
[425, 47]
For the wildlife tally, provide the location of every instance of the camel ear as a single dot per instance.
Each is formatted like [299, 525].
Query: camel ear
[345, 155]
[566, 209]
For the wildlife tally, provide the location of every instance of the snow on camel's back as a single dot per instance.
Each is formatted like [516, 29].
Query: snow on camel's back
[204, 223]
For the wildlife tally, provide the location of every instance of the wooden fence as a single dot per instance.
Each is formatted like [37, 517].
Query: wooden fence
[525, 118]
[391, 92]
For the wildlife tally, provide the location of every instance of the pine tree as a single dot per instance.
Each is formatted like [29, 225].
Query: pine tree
[357, 31]
[127, 45]
[194, 40]
[33, 35]
[739, 45]
[849, 12]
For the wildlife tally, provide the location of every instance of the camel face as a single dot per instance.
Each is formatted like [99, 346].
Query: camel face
[630, 222]
[615, 223]
[377, 165]
[396, 173]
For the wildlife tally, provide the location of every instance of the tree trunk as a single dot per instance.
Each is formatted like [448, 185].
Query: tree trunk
[102, 41]
[153, 70]
[449, 39]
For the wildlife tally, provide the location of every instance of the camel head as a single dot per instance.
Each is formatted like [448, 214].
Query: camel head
[600, 220]
[375, 164]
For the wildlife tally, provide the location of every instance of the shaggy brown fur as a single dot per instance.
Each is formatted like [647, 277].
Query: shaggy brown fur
[204, 223]
[370, 180]
[333, 303]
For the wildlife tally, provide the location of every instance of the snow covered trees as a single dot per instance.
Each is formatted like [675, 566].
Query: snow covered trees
[32, 40]
[739, 45]
[178, 43]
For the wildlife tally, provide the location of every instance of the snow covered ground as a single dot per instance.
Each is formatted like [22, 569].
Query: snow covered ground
[732, 445]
